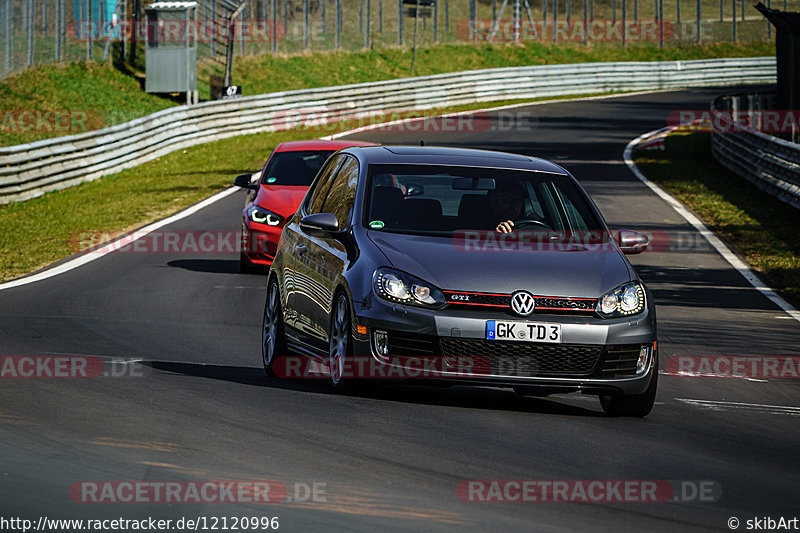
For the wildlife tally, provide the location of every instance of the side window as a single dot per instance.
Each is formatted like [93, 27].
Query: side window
[322, 185]
[342, 193]
[576, 221]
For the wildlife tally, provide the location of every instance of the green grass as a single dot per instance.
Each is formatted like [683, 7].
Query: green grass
[98, 91]
[43, 230]
[760, 228]
[110, 96]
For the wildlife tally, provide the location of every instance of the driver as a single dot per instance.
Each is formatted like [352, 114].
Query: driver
[507, 203]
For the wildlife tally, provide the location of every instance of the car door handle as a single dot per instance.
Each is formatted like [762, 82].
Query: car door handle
[301, 249]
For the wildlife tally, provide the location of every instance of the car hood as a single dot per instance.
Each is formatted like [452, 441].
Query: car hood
[567, 270]
[282, 200]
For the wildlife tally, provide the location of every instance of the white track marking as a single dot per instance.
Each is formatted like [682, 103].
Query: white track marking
[740, 266]
[702, 376]
[110, 247]
[715, 405]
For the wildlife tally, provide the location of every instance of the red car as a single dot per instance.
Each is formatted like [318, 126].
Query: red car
[275, 193]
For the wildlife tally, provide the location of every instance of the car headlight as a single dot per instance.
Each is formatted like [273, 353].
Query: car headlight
[262, 216]
[625, 300]
[400, 287]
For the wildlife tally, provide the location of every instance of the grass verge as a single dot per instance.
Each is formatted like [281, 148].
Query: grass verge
[43, 230]
[757, 226]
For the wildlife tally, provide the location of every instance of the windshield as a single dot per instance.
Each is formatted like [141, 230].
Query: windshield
[294, 168]
[444, 199]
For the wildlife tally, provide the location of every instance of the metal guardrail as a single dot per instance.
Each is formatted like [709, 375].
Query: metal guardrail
[30, 170]
[771, 163]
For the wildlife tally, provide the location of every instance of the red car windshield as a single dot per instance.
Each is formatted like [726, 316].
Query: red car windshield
[294, 168]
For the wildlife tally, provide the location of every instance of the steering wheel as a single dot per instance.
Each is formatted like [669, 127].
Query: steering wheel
[530, 222]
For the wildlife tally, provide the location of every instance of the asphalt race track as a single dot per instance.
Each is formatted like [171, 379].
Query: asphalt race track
[192, 402]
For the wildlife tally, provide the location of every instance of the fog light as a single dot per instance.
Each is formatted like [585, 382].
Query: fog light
[641, 364]
[381, 343]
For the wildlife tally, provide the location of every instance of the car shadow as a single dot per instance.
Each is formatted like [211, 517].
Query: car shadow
[467, 397]
[211, 266]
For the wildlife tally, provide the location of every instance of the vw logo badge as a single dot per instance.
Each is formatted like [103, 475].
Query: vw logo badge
[522, 303]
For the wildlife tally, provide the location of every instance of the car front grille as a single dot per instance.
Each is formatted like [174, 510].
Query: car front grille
[517, 359]
[522, 358]
[544, 304]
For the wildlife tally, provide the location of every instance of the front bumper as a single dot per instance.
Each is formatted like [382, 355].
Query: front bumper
[596, 356]
[260, 242]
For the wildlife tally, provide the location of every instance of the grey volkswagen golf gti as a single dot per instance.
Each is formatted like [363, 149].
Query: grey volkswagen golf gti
[461, 266]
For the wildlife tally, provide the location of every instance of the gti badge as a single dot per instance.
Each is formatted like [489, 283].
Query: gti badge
[522, 303]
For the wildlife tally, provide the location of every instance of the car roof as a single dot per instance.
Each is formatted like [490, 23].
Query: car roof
[318, 144]
[443, 155]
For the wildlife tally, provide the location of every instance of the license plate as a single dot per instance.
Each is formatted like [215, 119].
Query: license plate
[523, 331]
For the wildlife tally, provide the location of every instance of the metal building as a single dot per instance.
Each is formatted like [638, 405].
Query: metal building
[171, 51]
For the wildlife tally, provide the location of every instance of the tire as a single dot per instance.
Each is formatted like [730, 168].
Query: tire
[340, 342]
[633, 405]
[273, 340]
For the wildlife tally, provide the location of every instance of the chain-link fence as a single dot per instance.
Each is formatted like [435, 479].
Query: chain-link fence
[42, 31]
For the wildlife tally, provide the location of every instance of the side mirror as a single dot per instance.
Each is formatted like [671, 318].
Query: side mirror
[245, 182]
[632, 242]
[320, 223]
